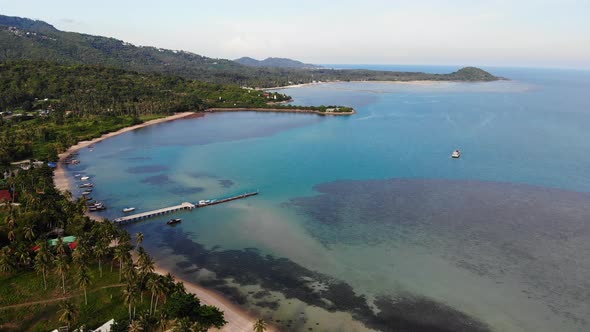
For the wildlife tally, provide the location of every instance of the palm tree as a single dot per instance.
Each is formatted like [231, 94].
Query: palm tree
[43, 261]
[129, 294]
[11, 235]
[10, 218]
[125, 238]
[139, 238]
[83, 280]
[29, 232]
[259, 325]
[122, 255]
[145, 262]
[67, 313]
[80, 254]
[23, 255]
[6, 260]
[163, 320]
[61, 269]
[161, 289]
[156, 285]
[60, 248]
[135, 326]
[100, 251]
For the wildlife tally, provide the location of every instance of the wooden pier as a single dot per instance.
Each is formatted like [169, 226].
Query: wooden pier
[184, 206]
[229, 199]
[154, 213]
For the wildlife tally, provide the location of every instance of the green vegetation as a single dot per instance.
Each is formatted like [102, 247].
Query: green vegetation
[275, 62]
[84, 102]
[86, 284]
[24, 39]
[95, 85]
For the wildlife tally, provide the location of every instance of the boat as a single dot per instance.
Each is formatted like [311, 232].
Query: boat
[204, 202]
[86, 185]
[128, 209]
[87, 192]
[77, 175]
[84, 178]
[174, 221]
[456, 154]
[97, 207]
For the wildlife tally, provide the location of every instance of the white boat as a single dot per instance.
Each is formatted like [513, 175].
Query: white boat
[128, 209]
[84, 178]
[456, 154]
[77, 175]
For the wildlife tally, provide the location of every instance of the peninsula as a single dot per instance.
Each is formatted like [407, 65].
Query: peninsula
[321, 110]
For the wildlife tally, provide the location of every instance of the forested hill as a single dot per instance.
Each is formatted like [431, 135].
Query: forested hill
[25, 39]
[95, 90]
[275, 62]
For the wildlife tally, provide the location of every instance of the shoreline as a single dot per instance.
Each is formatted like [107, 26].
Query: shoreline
[416, 82]
[238, 319]
[60, 179]
[274, 110]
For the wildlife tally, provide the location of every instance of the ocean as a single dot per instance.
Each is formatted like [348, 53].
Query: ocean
[364, 222]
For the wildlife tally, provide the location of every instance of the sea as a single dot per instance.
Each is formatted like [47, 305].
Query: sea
[365, 222]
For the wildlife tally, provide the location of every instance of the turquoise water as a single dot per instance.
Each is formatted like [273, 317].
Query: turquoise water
[365, 222]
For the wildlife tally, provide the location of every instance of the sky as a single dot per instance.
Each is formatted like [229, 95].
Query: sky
[530, 33]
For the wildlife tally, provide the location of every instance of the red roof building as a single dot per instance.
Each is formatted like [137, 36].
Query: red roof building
[5, 195]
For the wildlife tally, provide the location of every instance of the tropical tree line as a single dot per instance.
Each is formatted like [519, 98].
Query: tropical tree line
[94, 90]
[83, 102]
[41, 213]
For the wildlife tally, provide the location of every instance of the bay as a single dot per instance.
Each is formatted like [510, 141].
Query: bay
[365, 222]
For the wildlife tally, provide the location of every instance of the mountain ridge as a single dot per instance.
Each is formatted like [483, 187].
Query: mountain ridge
[275, 62]
[35, 40]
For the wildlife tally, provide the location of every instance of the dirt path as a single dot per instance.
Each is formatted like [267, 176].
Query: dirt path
[26, 304]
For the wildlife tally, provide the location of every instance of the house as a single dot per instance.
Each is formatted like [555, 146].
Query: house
[5, 195]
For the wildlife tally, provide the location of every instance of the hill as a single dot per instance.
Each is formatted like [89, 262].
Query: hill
[275, 62]
[25, 39]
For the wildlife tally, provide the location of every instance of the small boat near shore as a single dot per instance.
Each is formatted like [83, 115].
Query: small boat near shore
[456, 154]
[84, 178]
[174, 221]
[128, 209]
[98, 206]
[86, 185]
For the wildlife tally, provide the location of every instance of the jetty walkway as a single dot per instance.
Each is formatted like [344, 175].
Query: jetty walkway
[154, 213]
[184, 206]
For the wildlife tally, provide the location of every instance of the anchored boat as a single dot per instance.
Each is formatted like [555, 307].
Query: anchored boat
[128, 209]
[174, 221]
[456, 154]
